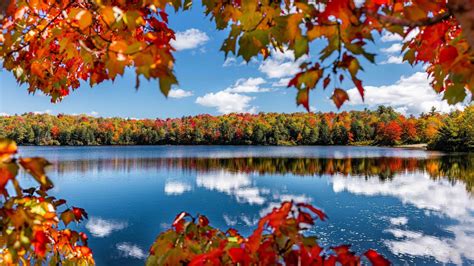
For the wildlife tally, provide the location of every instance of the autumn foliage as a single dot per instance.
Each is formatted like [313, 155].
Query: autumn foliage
[33, 225]
[32, 233]
[277, 240]
[53, 46]
[383, 126]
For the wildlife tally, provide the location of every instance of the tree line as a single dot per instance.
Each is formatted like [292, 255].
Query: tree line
[383, 126]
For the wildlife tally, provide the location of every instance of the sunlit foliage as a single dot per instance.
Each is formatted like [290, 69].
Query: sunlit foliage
[383, 126]
[54, 45]
[457, 134]
[33, 225]
[277, 240]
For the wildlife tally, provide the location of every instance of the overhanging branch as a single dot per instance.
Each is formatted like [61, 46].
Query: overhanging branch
[411, 23]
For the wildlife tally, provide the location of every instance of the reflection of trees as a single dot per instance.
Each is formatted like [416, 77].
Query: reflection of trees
[452, 167]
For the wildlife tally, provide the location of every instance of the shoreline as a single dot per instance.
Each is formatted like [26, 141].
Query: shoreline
[420, 146]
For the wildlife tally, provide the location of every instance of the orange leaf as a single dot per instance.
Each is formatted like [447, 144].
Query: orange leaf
[303, 98]
[37, 69]
[84, 19]
[326, 82]
[339, 97]
[7, 148]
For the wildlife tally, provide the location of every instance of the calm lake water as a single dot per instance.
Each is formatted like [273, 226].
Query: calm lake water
[414, 207]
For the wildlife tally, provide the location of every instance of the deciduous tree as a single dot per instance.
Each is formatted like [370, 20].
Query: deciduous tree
[54, 45]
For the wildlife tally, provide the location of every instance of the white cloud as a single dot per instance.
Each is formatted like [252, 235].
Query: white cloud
[99, 227]
[281, 64]
[230, 61]
[442, 249]
[4, 114]
[390, 37]
[249, 195]
[393, 60]
[223, 181]
[409, 95]
[438, 197]
[236, 184]
[281, 83]
[179, 93]
[94, 113]
[412, 34]
[394, 48]
[247, 86]
[416, 189]
[227, 102]
[129, 250]
[42, 112]
[249, 221]
[229, 221]
[244, 219]
[399, 220]
[176, 188]
[359, 3]
[234, 61]
[189, 39]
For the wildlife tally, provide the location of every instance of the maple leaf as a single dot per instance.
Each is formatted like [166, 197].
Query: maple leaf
[339, 97]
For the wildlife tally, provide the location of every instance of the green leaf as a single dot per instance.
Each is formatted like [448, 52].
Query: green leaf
[166, 82]
[250, 20]
[369, 56]
[187, 4]
[301, 47]
[455, 93]
[409, 56]
[251, 43]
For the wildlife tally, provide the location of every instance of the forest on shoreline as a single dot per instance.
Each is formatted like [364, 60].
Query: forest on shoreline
[383, 126]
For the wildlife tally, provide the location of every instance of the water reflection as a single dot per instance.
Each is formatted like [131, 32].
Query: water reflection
[99, 227]
[454, 168]
[440, 197]
[415, 210]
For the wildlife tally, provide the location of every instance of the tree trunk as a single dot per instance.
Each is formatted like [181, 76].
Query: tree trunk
[463, 11]
[3, 7]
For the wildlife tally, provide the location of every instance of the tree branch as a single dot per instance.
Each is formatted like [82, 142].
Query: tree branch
[410, 23]
[463, 11]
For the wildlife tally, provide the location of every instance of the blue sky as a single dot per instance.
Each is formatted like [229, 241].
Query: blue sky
[210, 84]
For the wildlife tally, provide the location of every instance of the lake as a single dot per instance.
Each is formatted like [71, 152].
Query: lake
[413, 206]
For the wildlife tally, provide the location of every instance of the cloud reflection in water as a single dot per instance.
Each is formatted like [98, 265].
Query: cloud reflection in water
[438, 196]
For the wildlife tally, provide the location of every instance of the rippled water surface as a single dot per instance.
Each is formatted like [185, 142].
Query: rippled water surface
[413, 206]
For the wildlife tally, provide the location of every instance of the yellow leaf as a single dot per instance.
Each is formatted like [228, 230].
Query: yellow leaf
[293, 26]
[84, 19]
[320, 31]
[108, 15]
[7, 148]
[118, 46]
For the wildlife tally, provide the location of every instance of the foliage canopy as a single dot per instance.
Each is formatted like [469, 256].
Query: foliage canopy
[383, 126]
[54, 45]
